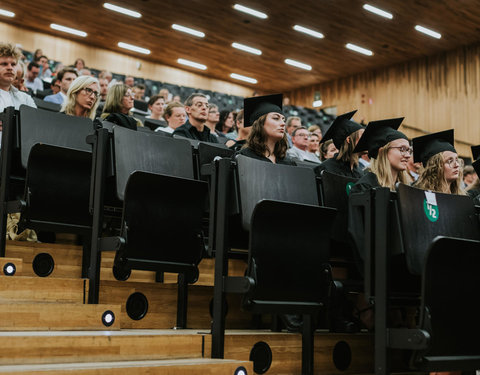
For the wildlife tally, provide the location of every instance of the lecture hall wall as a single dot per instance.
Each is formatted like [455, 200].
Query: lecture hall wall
[67, 51]
[432, 93]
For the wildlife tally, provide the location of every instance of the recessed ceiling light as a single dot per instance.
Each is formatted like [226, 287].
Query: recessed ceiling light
[311, 32]
[378, 11]
[6, 13]
[358, 49]
[245, 48]
[188, 30]
[250, 11]
[122, 10]
[133, 48]
[192, 64]
[69, 30]
[243, 78]
[428, 31]
[317, 103]
[298, 64]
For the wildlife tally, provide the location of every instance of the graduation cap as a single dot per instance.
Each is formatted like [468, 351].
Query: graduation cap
[257, 106]
[426, 146]
[378, 134]
[475, 152]
[341, 128]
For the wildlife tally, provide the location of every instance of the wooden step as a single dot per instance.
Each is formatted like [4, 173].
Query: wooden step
[17, 266]
[47, 347]
[56, 316]
[43, 289]
[162, 305]
[202, 366]
[331, 350]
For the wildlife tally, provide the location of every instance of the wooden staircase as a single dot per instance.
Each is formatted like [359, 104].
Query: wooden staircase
[47, 327]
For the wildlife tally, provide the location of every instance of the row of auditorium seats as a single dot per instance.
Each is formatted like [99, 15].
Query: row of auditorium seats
[157, 197]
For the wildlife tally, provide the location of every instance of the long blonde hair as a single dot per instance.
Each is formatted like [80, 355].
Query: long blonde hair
[382, 168]
[433, 177]
[345, 153]
[77, 85]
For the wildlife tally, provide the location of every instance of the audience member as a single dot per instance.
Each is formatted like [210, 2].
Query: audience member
[106, 75]
[85, 72]
[314, 145]
[225, 124]
[327, 150]
[213, 118]
[166, 94]
[345, 135]
[58, 68]
[117, 107]
[175, 116]
[469, 176]
[176, 98]
[103, 82]
[293, 122]
[38, 52]
[45, 72]
[82, 97]
[299, 150]
[442, 171]
[243, 132]
[79, 64]
[413, 170]
[19, 81]
[364, 161]
[33, 82]
[196, 107]
[315, 129]
[129, 81]
[156, 105]
[55, 86]
[267, 140]
[10, 96]
[139, 91]
[65, 78]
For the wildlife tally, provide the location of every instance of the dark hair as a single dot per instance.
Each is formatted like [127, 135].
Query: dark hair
[154, 98]
[39, 57]
[62, 72]
[258, 138]
[189, 101]
[54, 80]
[324, 148]
[77, 60]
[223, 117]
[140, 86]
[32, 65]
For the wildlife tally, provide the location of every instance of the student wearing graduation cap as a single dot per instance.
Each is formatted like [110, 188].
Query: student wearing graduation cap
[267, 140]
[442, 168]
[474, 189]
[345, 134]
[389, 152]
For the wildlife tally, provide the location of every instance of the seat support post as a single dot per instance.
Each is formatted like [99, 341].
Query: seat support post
[307, 344]
[182, 301]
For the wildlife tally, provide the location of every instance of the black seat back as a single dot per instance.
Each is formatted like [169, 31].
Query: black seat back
[48, 106]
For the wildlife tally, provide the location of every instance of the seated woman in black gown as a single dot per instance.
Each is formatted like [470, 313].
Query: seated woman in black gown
[345, 134]
[267, 140]
[442, 171]
[389, 151]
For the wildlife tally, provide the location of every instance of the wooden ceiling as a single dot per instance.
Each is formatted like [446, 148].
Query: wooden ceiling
[341, 21]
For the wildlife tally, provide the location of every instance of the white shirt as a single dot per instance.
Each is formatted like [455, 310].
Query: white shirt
[15, 98]
[168, 129]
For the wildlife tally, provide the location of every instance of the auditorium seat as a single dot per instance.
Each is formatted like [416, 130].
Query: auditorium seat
[42, 104]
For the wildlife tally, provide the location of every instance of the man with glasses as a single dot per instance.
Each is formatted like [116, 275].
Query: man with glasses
[196, 107]
[65, 77]
[299, 150]
[293, 123]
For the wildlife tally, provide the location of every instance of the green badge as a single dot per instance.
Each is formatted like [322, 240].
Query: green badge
[431, 211]
[348, 187]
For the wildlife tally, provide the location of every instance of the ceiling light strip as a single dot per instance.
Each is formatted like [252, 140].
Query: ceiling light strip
[6, 13]
[245, 48]
[127, 12]
[134, 48]
[429, 32]
[188, 30]
[310, 32]
[68, 30]
[359, 49]
[378, 11]
[250, 11]
[243, 78]
[192, 64]
[298, 64]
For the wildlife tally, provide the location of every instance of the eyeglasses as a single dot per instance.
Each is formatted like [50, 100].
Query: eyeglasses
[91, 92]
[129, 94]
[304, 135]
[404, 150]
[453, 161]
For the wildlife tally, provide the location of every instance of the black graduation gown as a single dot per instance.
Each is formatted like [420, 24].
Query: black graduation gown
[367, 182]
[340, 168]
[252, 154]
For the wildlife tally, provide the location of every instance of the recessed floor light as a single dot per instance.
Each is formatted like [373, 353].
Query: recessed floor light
[298, 64]
[429, 32]
[250, 11]
[193, 64]
[127, 12]
[133, 48]
[359, 49]
[377, 11]
[243, 78]
[69, 30]
[188, 30]
[245, 48]
[311, 32]
[6, 13]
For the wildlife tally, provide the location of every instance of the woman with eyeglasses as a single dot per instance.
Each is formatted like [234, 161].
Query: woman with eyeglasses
[442, 168]
[389, 152]
[82, 97]
[118, 103]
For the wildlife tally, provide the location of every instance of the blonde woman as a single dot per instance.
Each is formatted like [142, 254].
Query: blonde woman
[118, 103]
[389, 151]
[442, 171]
[345, 134]
[82, 97]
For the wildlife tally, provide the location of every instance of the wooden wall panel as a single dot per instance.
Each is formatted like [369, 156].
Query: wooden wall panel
[432, 93]
[67, 51]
